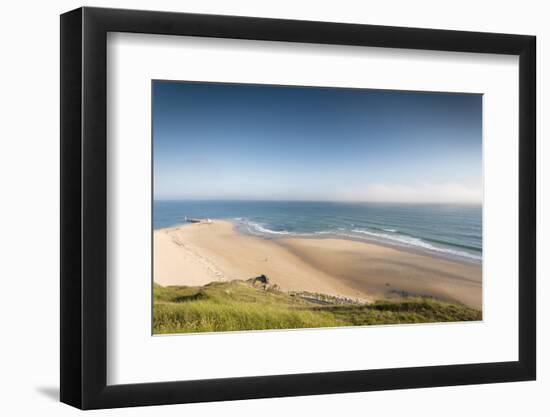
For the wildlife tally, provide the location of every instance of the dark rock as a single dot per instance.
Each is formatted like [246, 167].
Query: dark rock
[262, 281]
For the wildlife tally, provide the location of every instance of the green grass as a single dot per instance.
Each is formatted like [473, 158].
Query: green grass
[239, 305]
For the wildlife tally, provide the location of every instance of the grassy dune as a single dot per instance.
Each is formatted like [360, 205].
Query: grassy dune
[245, 305]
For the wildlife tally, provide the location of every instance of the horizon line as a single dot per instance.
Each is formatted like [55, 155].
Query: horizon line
[463, 203]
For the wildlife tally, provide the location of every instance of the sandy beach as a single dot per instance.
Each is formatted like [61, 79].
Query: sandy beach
[196, 254]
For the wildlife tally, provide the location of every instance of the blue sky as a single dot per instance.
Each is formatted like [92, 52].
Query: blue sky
[238, 141]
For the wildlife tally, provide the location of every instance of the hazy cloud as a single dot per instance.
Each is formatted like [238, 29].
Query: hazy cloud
[423, 193]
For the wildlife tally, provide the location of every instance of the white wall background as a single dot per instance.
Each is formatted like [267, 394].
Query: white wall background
[29, 237]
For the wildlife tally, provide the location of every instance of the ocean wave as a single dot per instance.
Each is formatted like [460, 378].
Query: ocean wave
[259, 228]
[383, 235]
[416, 242]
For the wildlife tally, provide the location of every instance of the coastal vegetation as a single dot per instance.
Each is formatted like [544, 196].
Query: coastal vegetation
[255, 304]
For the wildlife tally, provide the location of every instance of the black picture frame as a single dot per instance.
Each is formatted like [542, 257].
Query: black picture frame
[84, 207]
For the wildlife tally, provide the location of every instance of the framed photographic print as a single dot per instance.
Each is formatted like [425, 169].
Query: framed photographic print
[257, 208]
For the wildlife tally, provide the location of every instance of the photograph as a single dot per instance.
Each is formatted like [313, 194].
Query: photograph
[288, 207]
[253, 206]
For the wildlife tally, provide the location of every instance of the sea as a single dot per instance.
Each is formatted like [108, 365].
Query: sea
[449, 231]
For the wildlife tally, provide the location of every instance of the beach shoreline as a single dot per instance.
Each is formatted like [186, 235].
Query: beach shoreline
[200, 253]
[369, 240]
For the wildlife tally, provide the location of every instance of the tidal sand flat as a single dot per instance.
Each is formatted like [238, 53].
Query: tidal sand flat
[201, 253]
[385, 272]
